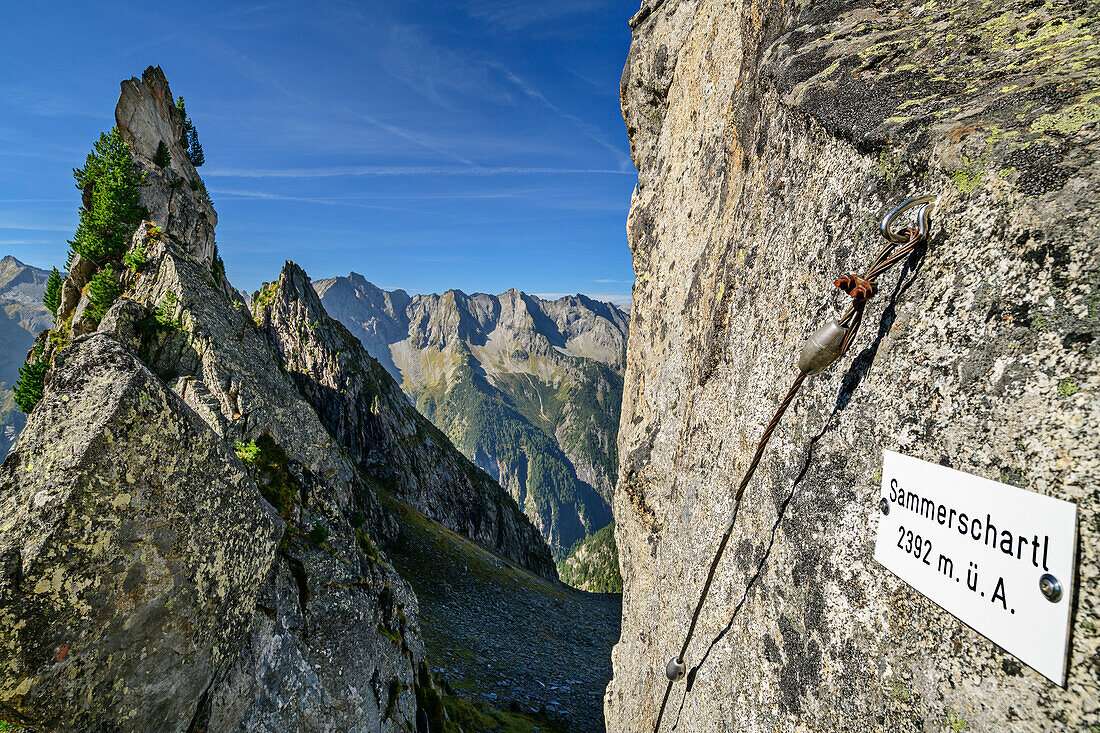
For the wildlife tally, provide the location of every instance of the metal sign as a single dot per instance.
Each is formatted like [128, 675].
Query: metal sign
[999, 558]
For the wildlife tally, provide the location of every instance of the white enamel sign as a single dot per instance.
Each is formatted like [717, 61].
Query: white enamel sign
[999, 558]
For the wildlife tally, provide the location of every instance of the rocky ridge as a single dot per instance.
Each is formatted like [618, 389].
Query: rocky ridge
[769, 139]
[369, 415]
[529, 389]
[177, 506]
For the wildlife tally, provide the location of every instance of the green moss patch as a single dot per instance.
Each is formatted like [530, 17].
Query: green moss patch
[277, 484]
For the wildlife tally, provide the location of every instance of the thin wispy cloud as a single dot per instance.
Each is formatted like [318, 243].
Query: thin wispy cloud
[375, 170]
[590, 131]
[436, 72]
[514, 15]
[4, 242]
[48, 103]
[324, 201]
[419, 139]
[20, 226]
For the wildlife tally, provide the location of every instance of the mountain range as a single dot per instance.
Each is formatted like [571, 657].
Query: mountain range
[529, 389]
[22, 315]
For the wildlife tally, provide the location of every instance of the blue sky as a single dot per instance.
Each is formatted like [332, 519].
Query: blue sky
[427, 145]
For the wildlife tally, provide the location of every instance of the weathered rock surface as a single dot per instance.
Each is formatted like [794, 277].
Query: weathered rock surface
[175, 195]
[134, 545]
[369, 415]
[529, 389]
[322, 653]
[769, 138]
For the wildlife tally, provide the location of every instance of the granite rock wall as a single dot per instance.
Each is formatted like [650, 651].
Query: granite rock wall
[770, 137]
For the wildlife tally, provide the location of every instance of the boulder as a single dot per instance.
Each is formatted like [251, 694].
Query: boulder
[134, 544]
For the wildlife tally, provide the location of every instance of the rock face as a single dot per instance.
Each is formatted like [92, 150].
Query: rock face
[529, 389]
[175, 195]
[130, 563]
[369, 415]
[769, 138]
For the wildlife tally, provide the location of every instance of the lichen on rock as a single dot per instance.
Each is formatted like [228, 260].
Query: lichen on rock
[769, 140]
[134, 547]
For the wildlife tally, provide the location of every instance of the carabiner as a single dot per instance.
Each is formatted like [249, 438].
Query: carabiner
[923, 218]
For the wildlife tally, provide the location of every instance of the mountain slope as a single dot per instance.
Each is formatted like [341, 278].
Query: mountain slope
[528, 389]
[22, 315]
[367, 413]
[593, 563]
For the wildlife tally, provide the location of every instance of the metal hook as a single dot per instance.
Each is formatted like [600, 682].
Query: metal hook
[923, 218]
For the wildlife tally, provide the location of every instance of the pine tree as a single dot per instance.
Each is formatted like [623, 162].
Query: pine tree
[180, 106]
[105, 226]
[103, 291]
[32, 378]
[163, 158]
[194, 148]
[52, 297]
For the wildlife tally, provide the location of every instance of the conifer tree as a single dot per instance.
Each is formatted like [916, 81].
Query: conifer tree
[52, 297]
[106, 225]
[163, 158]
[103, 291]
[194, 148]
[31, 381]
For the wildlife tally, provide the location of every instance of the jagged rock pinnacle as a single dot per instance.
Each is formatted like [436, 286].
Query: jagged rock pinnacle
[175, 195]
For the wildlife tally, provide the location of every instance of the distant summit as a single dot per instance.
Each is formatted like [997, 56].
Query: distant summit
[528, 388]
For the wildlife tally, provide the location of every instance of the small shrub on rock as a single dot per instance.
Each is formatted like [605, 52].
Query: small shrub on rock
[103, 291]
[319, 533]
[32, 378]
[136, 258]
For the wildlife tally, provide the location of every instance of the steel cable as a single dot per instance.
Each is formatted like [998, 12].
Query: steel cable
[861, 289]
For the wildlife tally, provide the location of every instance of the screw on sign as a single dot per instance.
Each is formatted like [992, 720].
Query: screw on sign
[1050, 588]
[825, 346]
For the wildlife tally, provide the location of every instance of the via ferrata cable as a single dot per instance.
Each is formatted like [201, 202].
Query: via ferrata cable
[828, 344]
